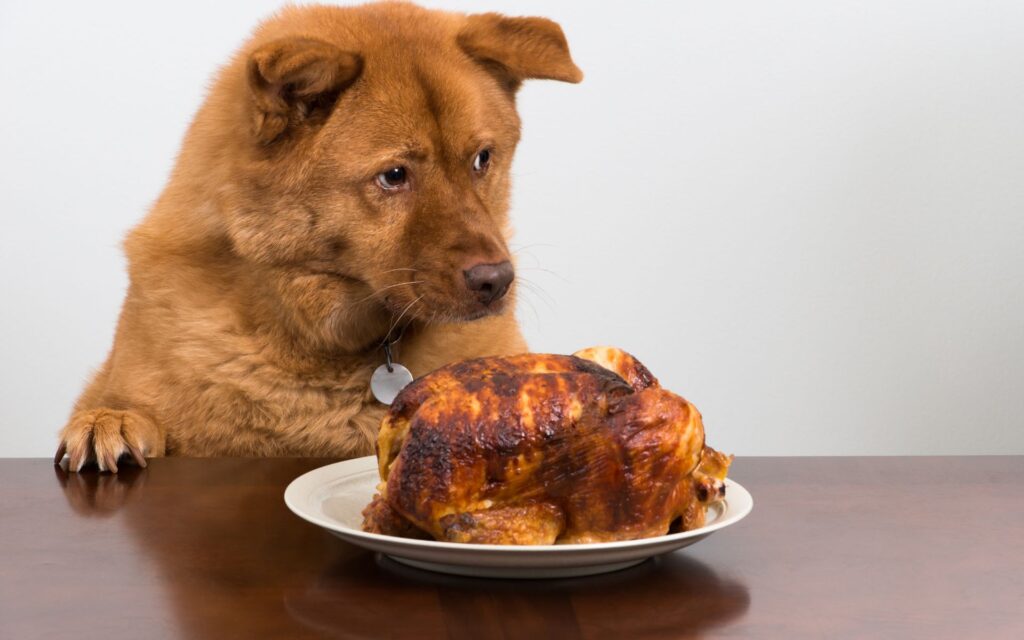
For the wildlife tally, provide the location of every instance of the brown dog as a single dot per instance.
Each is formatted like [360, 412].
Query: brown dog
[347, 179]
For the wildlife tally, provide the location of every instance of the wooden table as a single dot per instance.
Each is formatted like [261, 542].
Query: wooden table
[835, 548]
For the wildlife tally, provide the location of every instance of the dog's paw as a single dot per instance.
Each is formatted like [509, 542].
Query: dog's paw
[104, 436]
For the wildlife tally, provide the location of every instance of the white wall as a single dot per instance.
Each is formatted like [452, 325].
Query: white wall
[804, 216]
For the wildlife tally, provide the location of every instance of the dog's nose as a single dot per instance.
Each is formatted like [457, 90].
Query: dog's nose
[489, 281]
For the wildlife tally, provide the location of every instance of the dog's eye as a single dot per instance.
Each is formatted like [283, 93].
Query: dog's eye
[393, 178]
[481, 160]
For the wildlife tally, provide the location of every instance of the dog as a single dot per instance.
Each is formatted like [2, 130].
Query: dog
[345, 185]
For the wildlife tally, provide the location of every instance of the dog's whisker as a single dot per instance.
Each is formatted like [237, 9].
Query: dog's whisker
[520, 257]
[390, 286]
[530, 301]
[547, 300]
[536, 266]
[554, 273]
[533, 307]
[400, 316]
[521, 253]
[537, 290]
[529, 246]
[410, 319]
[398, 269]
[433, 316]
[532, 296]
[530, 282]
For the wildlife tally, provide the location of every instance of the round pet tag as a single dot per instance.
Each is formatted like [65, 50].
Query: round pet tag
[386, 384]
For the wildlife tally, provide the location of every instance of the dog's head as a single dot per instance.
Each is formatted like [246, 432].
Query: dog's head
[370, 158]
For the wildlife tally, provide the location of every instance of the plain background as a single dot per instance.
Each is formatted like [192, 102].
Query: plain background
[804, 216]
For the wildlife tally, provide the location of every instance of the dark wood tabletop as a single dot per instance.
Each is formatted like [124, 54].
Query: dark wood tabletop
[205, 548]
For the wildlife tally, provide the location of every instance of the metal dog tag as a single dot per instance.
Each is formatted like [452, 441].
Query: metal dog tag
[386, 384]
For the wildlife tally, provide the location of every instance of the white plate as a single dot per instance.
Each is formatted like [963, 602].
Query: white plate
[334, 497]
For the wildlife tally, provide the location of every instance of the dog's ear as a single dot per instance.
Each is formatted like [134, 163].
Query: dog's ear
[518, 49]
[294, 80]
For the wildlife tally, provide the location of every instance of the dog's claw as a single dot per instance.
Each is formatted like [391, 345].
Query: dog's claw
[61, 450]
[139, 458]
[110, 462]
[76, 460]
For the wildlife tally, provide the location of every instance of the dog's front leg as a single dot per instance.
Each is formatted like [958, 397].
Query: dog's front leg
[105, 435]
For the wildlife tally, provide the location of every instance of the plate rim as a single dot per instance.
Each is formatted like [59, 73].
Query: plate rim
[734, 512]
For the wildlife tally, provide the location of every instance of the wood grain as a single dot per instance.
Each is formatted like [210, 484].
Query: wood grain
[205, 548]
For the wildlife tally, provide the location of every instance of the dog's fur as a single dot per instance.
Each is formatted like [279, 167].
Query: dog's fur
[273, 265]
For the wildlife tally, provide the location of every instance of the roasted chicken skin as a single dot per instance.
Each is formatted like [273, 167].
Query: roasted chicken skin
[538, 449]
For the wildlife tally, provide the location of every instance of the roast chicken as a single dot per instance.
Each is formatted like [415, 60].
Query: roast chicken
[543, 449]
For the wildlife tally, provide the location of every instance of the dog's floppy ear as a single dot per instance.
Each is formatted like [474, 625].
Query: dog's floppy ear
[295, 79]
[518, 49]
